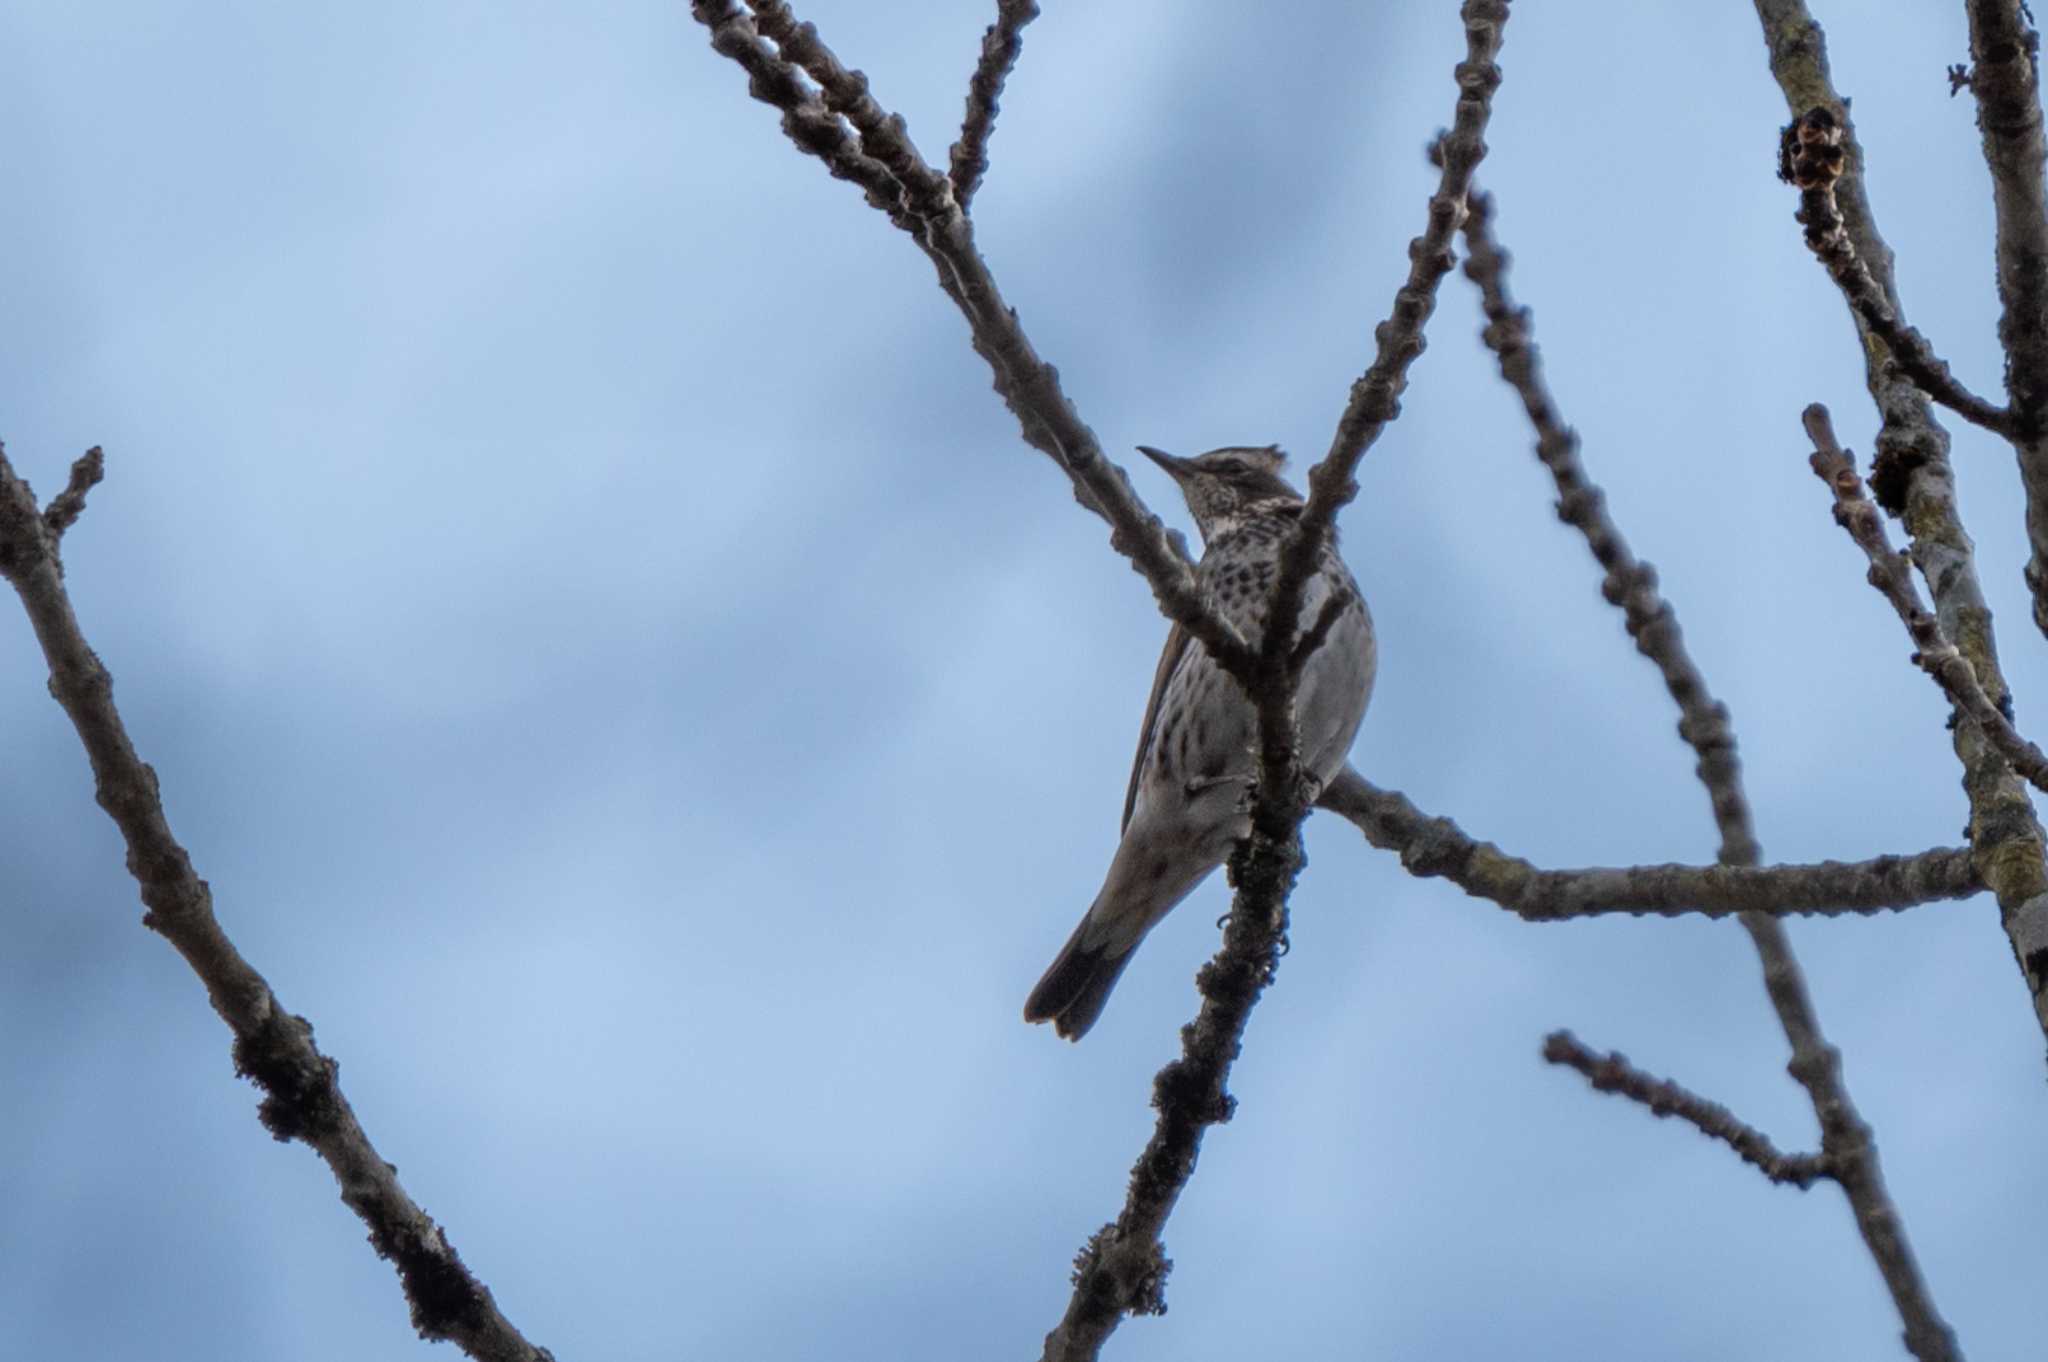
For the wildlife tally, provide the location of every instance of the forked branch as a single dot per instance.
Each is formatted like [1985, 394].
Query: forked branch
[1912, 478]
[829, 112]
[1846, 1141]
[1613, 1073]
[1000, 47]
[1892, 574]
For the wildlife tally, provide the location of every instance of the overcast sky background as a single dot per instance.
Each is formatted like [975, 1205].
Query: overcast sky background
[628, 683]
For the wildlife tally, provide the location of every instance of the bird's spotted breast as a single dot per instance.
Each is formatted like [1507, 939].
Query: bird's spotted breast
[1185, 807]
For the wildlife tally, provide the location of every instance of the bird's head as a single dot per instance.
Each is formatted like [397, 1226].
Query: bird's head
[1226, 484]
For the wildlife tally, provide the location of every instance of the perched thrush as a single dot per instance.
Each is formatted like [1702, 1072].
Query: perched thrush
[1188, 804]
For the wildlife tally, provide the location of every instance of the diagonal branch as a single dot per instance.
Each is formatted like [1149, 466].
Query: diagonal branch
[1375, 398]
[1846, 1141]
[302, 1098]
[926, 196]
[1613, 1073]
[1627, 583]
[1911, 478]
[841, 123]
[1122, 1268]
[815, 129]
[1436, 847]
[1000, 47]
[1892, 575]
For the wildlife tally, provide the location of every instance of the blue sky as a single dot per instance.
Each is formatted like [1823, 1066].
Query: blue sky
[628, 683]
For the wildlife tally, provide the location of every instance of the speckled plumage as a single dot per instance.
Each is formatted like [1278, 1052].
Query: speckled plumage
[1186, 807]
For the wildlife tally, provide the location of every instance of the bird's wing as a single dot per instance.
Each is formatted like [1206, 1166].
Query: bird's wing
[1169, 659]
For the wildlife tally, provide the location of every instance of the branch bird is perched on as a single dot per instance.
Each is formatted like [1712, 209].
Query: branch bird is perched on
[1187, 803]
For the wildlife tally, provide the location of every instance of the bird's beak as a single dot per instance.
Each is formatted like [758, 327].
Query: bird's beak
[1177, 469]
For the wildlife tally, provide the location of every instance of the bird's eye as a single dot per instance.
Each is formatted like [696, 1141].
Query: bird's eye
[1234, 468]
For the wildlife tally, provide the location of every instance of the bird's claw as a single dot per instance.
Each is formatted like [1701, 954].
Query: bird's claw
[1201, 783]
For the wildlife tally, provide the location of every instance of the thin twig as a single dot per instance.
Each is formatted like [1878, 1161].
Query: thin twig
[302, 1098]
[1375, 397]
[1911, 478]
[1846, 1141]
[1811, 158]
[1436, 847]
[65, 508]
[1613, 1073]
[1892, 574]
[1000, 47]
[2005, 78]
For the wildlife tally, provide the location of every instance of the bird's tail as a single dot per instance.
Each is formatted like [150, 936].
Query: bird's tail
[1072, 993]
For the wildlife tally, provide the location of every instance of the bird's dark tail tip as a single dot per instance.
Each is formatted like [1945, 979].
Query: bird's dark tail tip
[1073, 991]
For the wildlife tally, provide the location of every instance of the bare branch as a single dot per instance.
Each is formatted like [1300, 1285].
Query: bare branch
[1375, 398]
[1123, 1267]
[878, 154]
[926, 195]
[1436, 847]
[1000, 47]
[1613, 1073]
[302, 1099]
[1847, 1144]
[1892, 575]
[1911, 477]
[2005, 79]
[1704, 724]
[814, 128]
[1811, 158]
[1798, 59]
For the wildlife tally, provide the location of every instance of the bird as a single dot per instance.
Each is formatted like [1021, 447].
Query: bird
[1188, 800]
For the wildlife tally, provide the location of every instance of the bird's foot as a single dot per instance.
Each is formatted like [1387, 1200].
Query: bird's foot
[1201, 783]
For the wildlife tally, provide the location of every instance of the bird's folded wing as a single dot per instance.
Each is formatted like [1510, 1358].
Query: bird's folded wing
[1169, 659]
